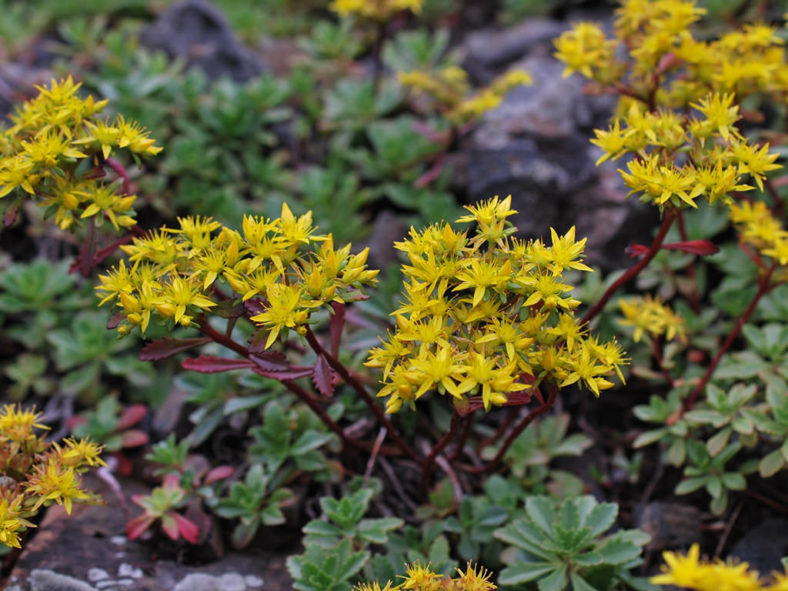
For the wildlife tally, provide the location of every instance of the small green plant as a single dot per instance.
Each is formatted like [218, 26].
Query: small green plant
[564, 543]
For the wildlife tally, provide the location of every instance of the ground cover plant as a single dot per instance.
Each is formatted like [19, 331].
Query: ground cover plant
[204, 238]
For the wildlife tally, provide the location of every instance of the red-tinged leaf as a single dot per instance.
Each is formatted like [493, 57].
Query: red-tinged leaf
[219, 473]
[167, 347]
[170, 526]
[188, 529]
[291, 373]
[208, 364]
[130, 416]
[271, 361]
[134, 438]
[75, 421]
[354, 296]
[114, 320]
[699, 247]
[336, 325]
[323, 377]
[433, 173]
[137, 526]
[780, 181]
[635, 250]
[123, 465]
[254, 306]
[139, 499]
[10, 215]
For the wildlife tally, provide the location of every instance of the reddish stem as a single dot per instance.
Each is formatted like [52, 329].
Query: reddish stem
[763, 288]
[466, 431]
[634, 270]
[121, 171]
[693, 295]
[365, 396]
[527, 420]
[429, 462]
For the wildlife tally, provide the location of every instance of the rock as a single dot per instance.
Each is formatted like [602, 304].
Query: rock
[47, 580]
[197, 32]
[87, 551]
[535, 147]
[670, 525]
[763, 546]
[491, 49]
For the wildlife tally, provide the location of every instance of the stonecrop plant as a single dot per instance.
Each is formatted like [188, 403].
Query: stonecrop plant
[490, 315]
[35, 473]
[57, 150]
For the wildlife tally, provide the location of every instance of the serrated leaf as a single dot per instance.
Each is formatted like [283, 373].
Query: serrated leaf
[323, 377]
[167, 347]
[209, 364]
[602, 518]
[541, 510]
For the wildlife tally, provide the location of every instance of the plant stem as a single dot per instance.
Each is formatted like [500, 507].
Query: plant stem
[764, 285]
[302, 394]
[365, 396]
[466, 430]
[527, 420]
[121, 171]
[693, 295]
[429, 462]
[634, 270]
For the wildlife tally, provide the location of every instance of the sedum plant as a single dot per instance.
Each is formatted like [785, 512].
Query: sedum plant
[35, 473]
[563, 543]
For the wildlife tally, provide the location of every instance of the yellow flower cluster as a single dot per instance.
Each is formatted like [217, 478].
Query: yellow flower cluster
[656, 37]
[451, 93]
[34, 473]
[649, 315]
[421, 578]
[490, 314]
[279, 265]
[761, 229]
[680, 158]
[689, 572]
[379, 10]
[51, 137]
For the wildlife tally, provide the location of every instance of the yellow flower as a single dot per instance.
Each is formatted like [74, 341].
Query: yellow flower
[683, 571]
[55, 483]
[282, 310]
[177, 296]
[81, 453]
[17, 424]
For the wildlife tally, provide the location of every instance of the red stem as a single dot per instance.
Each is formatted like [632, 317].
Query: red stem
[429, 462]
[365, 396]
[466, 431]
[634, 270]
[122, 173]
[527, 420]
[694, 297]
[763, 288]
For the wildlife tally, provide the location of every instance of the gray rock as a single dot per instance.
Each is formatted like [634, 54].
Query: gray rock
[197, 32]
[491, 49]
[203, 582]
[764, 545]
[48, 580]
[535, 147]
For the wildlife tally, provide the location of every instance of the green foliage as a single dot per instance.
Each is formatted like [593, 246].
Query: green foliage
[329, 560]
[563, 543]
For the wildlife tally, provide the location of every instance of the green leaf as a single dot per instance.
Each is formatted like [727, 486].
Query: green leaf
[619, 551]
[677, 452]
[375, 530]
[771, 464]
[602, 518]
[734, 481]
[523, 572]
[542, 512]
[690, 485]
[555, 581]
[579, 583]
[649, 437]
[718, 442]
